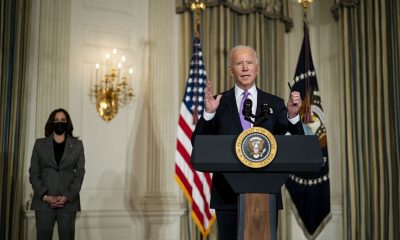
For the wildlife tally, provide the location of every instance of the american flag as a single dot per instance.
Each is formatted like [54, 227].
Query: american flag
[195, 185]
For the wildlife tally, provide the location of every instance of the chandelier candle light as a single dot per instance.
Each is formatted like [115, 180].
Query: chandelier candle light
[111, 88]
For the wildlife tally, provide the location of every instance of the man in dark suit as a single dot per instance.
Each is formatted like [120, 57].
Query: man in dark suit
[222, 116]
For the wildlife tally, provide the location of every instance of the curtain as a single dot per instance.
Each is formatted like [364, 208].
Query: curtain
[371, 117]
[225, 24]
[260, 24]
[15, 16]
[273, 9]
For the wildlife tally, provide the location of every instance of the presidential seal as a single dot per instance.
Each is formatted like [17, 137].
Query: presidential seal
[256, 147]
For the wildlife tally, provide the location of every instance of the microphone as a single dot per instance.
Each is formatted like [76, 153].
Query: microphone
[247, 106]
[265, 112]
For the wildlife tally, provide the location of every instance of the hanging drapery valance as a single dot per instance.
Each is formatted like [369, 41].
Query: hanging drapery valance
[273, 9]
[348, 3]
[342, 3]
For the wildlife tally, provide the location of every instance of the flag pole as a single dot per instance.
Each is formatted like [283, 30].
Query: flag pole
[196, 8]
[305, 110]
[195, 185]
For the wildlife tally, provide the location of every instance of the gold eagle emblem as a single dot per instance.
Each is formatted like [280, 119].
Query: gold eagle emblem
[256, 147]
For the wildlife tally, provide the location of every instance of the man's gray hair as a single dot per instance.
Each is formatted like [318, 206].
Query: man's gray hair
[232, 51]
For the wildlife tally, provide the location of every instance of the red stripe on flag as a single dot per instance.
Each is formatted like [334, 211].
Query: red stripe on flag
[208, 178]
[185, 127]
[196, 178]
[183, 179]
[195, 207]
[199, 186]
[198, 213]
[185, 155]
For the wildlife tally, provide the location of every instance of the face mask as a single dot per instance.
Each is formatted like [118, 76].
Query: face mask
[59, 127]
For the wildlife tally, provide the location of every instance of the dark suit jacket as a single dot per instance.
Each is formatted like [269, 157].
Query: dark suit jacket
[48, 177]
[227, 122]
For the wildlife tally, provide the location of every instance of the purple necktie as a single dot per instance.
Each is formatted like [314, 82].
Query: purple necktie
[245, 124]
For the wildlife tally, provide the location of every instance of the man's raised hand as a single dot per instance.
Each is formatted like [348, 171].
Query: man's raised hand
[211, 103]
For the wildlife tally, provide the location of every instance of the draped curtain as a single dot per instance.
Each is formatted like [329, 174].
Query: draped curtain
[371, 109]
[224, 24]
[15, 16]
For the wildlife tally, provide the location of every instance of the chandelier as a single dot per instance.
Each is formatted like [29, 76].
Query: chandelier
[111, 88]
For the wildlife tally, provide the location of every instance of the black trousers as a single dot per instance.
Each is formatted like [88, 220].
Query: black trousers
[45, 221]
[227, 221]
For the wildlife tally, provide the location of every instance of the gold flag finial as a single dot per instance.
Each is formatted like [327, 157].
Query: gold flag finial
[196, 7]
[305, 3]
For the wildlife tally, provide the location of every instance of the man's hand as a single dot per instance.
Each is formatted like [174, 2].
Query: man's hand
[294, 104]
[211, 103]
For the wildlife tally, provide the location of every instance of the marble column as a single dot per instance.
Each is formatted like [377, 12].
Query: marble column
[161, 202]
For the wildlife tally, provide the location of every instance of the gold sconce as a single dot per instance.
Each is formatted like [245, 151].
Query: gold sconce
[112, 87]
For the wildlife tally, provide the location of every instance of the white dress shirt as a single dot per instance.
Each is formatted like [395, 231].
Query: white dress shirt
[253, 96]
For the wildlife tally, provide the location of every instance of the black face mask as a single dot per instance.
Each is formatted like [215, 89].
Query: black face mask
[60, 127]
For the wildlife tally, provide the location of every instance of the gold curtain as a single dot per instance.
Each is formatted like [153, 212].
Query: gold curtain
[225, 23]
[371, 117]
[273, 9]
[15, 27]
[223, 27]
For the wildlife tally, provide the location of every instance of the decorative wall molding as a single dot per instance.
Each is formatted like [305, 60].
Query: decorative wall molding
[161, 225]
[96, 225]
[119, 6]
[104, 35]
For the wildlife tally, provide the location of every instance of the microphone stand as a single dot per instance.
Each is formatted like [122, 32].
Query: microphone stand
[266, 111]
[248, 118]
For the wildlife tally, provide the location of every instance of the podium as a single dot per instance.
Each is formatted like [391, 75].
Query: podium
[256, 188]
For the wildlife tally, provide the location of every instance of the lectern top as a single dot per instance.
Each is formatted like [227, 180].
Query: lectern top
[216, 153]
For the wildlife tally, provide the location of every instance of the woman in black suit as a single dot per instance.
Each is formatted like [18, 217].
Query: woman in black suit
[56, 174]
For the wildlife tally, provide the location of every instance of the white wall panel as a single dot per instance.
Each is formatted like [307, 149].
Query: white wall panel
[121, 6]
[108, 146]
[103, 36]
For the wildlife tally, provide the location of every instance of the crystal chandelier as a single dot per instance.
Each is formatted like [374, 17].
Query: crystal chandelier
[111, 88]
